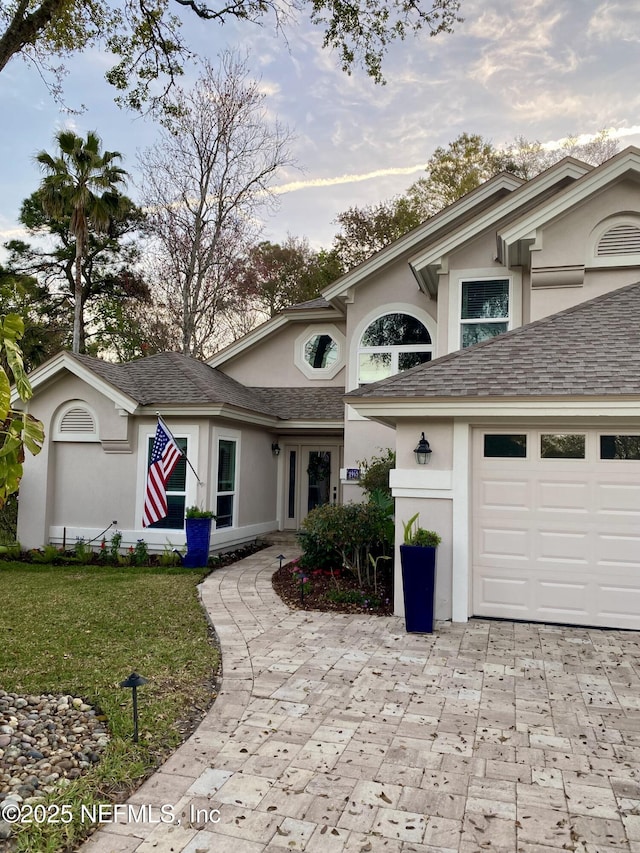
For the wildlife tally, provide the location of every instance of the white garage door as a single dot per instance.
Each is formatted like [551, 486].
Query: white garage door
[556, 526]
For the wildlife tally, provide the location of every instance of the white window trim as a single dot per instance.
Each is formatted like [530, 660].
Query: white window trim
[145, 432]
[394, 349]
[455, 301]
[595, 260]
[75, 436]
[319, 372]
[354, 346]
[226, 435]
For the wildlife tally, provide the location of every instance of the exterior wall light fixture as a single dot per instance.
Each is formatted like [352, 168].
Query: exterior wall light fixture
[275, 448]
[423, 451]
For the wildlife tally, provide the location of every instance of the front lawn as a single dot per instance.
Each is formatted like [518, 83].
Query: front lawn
[80, 630]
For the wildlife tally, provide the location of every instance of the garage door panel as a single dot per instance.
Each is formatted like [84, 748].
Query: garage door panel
[556, 496]
[557, 540]
[619, 602]
[500, 593]
[618, 550]
[563, 547]
[618, 498]
[561, 601]
[504, 542]
[506, 496]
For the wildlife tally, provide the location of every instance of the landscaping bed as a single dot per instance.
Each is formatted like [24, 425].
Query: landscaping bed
[337, 591]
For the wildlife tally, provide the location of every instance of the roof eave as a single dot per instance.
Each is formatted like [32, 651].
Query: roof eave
[390, 410]
[525, 228]
[340, 288]
[433, 255]
[223, 410]
[270, 327]
[48, 372]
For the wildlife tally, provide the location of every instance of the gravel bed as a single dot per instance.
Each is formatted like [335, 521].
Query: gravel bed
[45, 742]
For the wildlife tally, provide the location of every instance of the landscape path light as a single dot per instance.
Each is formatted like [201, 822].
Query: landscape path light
[134, 681]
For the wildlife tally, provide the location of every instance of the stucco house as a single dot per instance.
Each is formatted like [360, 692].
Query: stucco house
[505, 328]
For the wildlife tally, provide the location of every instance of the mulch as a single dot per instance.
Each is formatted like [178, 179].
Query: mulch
[318, 584]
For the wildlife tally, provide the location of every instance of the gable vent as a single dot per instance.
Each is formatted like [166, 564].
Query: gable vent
[621, 240]
[77, 420]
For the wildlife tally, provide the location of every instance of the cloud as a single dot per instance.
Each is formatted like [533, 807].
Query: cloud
[314, 183]
[616, 22]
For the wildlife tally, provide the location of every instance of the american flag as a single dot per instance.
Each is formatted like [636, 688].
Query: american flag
[164, 458]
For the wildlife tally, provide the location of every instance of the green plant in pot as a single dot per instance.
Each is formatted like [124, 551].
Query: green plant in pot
[198, 532]
[418, 562]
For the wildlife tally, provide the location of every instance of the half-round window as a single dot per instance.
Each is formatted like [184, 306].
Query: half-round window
[390, 344]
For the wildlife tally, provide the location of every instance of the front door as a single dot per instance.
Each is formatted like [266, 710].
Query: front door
[312, 478]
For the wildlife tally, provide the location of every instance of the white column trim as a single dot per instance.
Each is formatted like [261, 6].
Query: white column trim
[461, 568]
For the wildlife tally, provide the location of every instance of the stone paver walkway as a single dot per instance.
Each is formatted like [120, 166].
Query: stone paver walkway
[343, 733]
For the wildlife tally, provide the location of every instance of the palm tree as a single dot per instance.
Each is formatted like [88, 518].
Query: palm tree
[80, 183]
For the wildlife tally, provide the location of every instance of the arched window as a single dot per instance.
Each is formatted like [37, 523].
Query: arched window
[390, 344]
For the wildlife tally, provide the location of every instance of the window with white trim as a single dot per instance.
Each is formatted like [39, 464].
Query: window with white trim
[485, 306]
[176, 488]
[390, 344]
[226, 489]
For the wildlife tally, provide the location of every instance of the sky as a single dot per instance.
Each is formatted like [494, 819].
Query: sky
[542, 69]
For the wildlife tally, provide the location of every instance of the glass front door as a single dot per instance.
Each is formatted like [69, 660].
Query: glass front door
[318, 478]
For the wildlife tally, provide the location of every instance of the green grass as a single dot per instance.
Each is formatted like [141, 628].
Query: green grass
[80, 630]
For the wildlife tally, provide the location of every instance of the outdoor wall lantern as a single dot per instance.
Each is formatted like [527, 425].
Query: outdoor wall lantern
[275, 448]
[423, 451]
[134, 681]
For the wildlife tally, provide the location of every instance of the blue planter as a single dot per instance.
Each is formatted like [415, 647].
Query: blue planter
[198, 532]
[419, 587]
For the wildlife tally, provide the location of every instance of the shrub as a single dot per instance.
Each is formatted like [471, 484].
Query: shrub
[416, 535]
[343, 536]
[49, 554]
[196, 512]
[82, 551]
[9, 521]
[374, 472]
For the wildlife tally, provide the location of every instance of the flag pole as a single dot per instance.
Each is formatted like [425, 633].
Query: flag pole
[166, 426]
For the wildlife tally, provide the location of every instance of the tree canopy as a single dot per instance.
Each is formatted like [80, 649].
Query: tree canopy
[148, 44]
[205, 184]
[452, 171]
[18, 430]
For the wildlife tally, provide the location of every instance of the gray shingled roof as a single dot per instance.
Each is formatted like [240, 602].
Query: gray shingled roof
[591, 349]
[173, 378]
[323, 403]
[318, 302]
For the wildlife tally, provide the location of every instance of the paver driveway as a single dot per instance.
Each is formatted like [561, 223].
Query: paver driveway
[344, 733]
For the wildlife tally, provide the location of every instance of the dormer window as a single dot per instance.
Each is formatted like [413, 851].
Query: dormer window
[390, 344]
